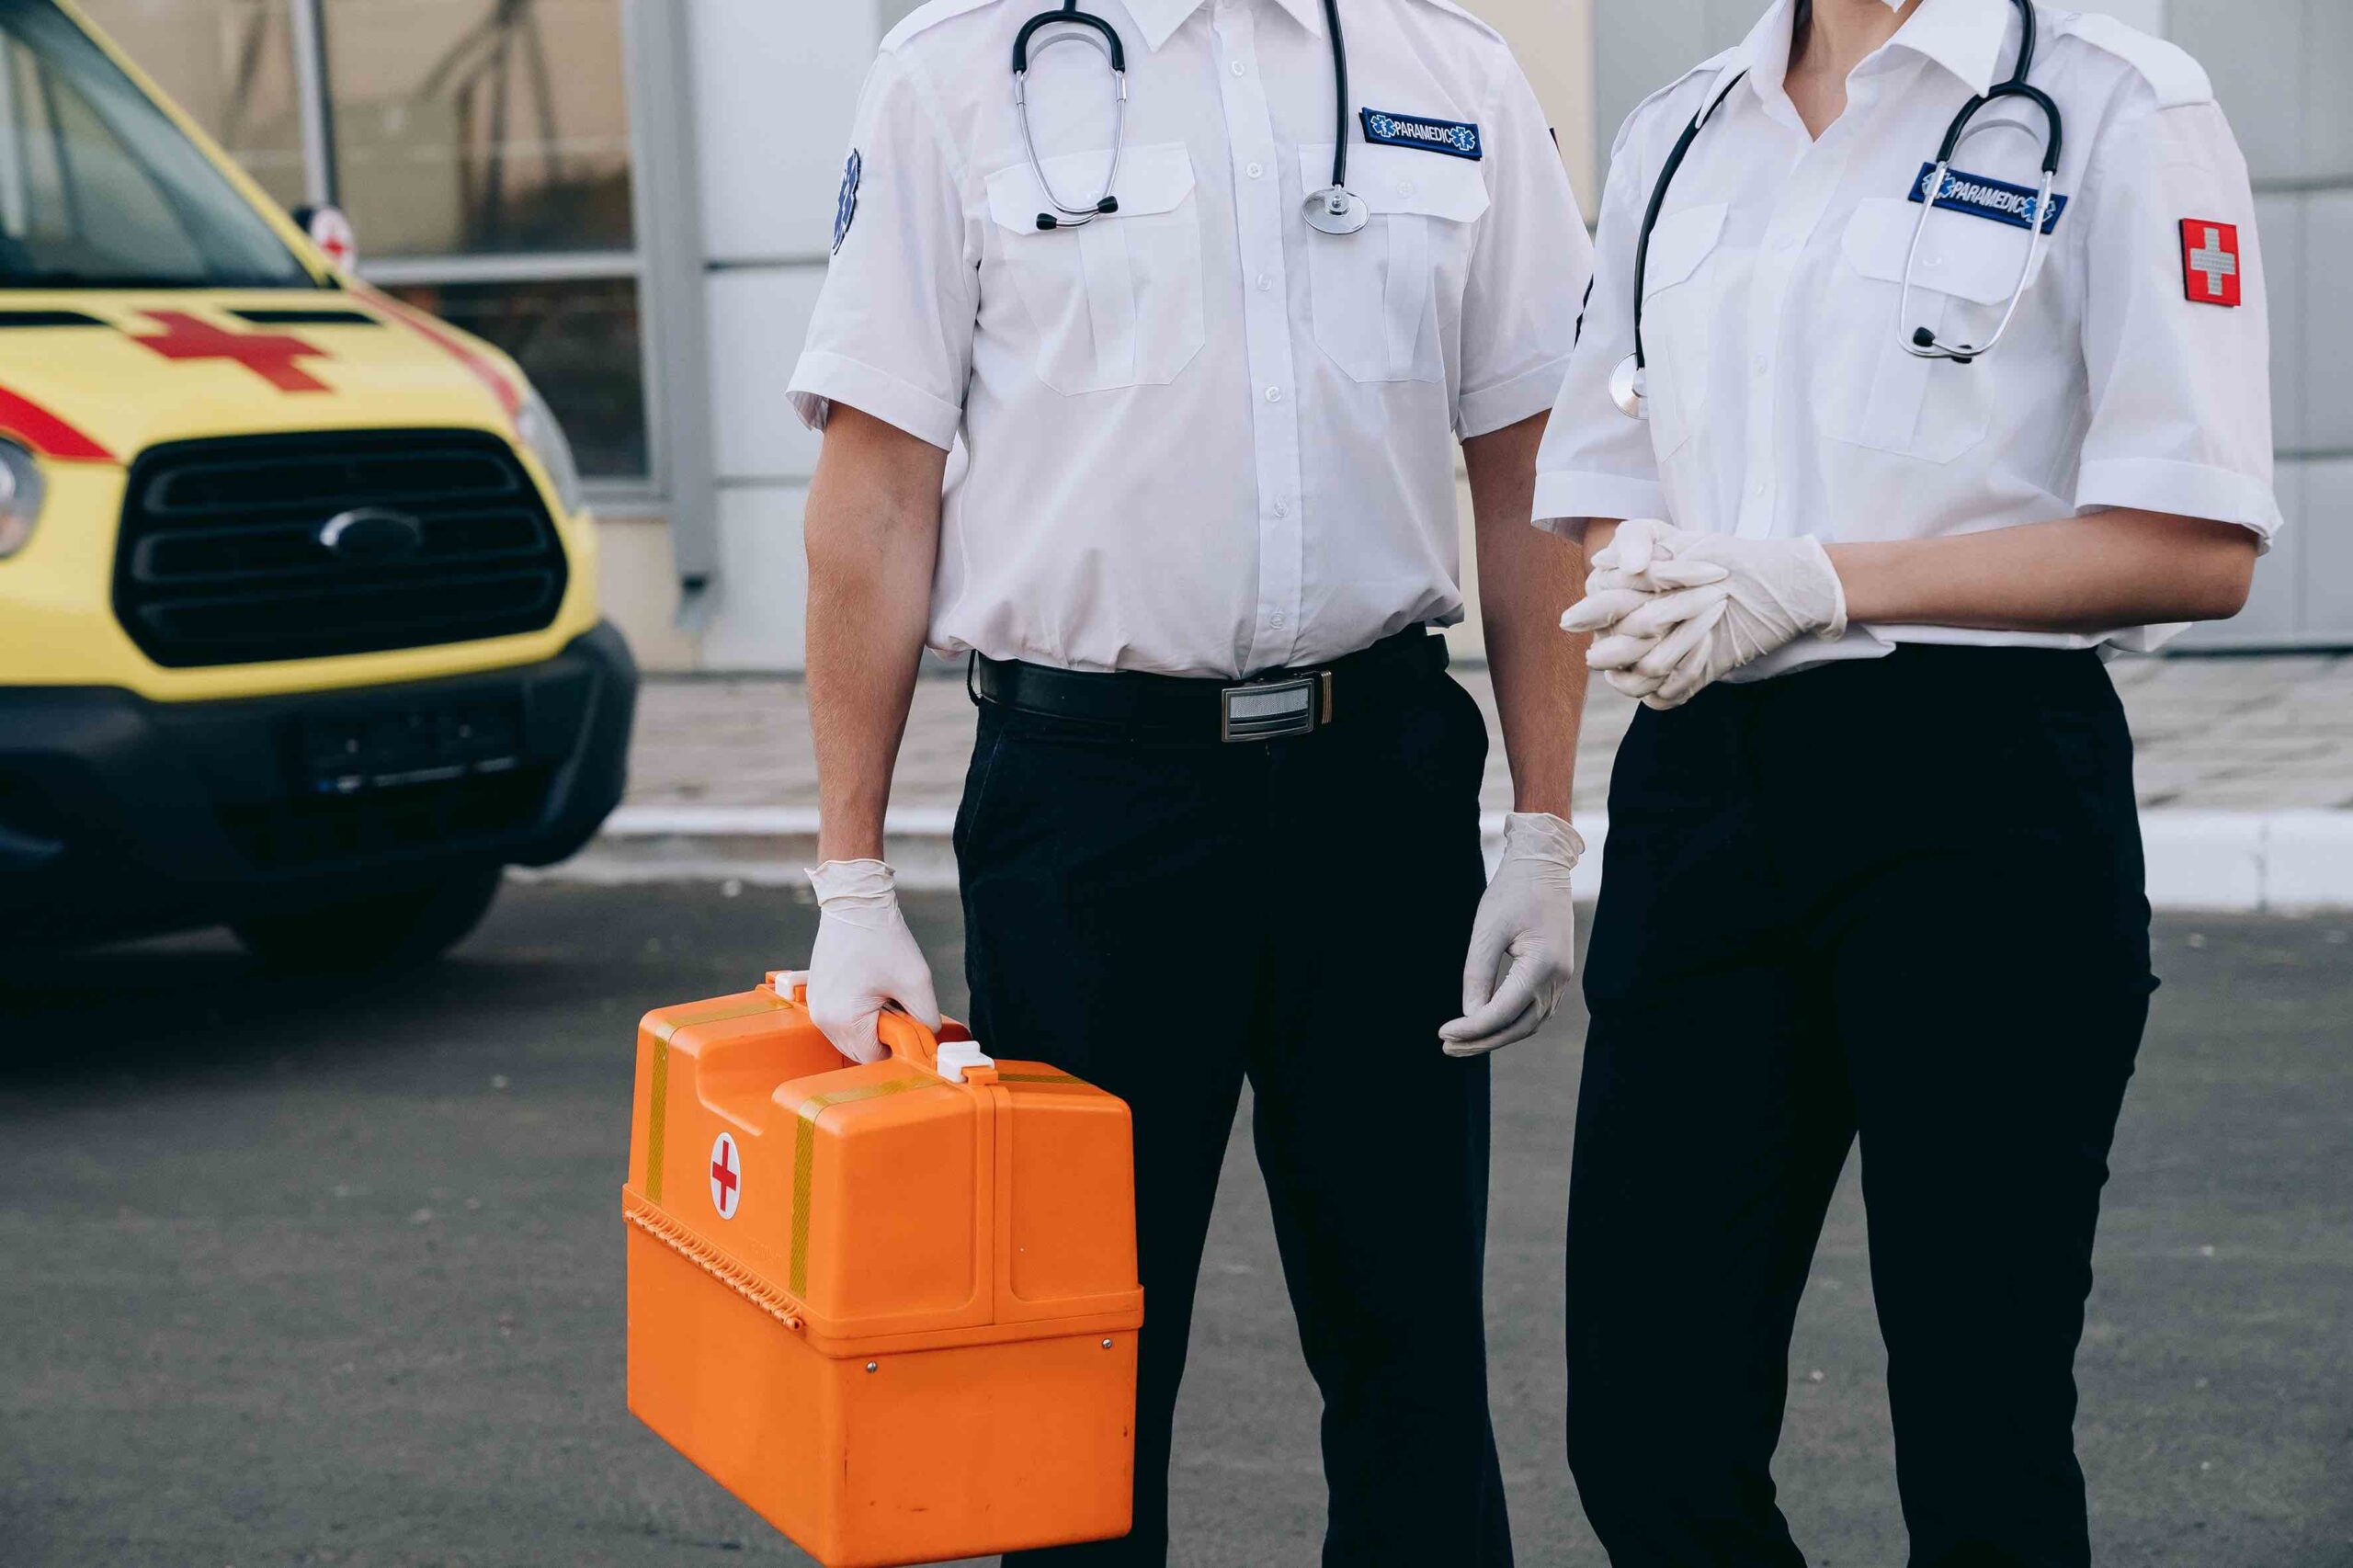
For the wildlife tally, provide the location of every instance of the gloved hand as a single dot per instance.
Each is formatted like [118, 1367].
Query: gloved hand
[864, 956]
[1530, 917]
[1678, 609]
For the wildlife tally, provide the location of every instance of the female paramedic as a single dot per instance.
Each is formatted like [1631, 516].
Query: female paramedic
[1942, 327]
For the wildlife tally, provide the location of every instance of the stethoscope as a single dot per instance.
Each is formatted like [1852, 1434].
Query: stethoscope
[1335, 209]
[1628, 384]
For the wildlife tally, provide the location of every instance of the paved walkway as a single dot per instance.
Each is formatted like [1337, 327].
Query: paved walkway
[2251, 734]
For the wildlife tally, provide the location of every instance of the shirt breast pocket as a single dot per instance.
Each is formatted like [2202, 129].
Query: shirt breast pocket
[1877, 393]
[1678, 321]
[1377, 292]
[1117, 301]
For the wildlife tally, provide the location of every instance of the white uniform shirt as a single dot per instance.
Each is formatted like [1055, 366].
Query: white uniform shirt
[1202, 437]
[1781, 400]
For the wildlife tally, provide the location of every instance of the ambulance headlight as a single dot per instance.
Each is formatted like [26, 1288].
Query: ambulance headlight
[21, 491]
[535, 424]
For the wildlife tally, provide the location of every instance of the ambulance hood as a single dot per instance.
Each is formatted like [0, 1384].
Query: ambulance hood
[99, 376]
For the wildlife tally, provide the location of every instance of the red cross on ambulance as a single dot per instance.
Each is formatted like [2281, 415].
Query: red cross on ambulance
[270, 355]
[726, 1176]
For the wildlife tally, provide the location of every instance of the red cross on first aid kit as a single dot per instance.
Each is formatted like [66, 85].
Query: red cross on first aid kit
[726, 1176]
[2209, 261]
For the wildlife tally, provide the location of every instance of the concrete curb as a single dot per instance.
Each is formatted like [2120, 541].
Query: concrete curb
[2284, 862]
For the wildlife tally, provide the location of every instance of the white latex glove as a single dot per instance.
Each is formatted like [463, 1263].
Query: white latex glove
[1676, 611]
[864, 956]
[1530, 917]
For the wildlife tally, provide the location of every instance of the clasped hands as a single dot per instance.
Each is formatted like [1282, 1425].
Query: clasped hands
[1672, 610]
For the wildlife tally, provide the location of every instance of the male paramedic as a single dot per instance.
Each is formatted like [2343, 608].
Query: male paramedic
[1223, 814]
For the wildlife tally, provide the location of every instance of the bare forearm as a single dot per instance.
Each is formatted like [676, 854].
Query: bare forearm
[872, 528]
[1526, 577]
[2081, 574]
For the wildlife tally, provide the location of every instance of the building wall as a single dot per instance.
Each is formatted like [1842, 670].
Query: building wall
[2280, 68]
[768, 158]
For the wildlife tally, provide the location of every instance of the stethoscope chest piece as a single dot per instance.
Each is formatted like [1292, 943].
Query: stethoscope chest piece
[1628, 389]
[1336, 210]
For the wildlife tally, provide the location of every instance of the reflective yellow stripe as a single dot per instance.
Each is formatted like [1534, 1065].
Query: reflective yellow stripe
[657, 1115]
[657, 1109]
[804, 1161]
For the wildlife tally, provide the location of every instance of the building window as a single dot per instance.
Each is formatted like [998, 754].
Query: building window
[483, 148]
[481, 127]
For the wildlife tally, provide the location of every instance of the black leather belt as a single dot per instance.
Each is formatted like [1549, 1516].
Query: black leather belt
[1298, 700]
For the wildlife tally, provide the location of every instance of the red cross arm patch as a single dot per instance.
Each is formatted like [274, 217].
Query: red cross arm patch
[2209, 261]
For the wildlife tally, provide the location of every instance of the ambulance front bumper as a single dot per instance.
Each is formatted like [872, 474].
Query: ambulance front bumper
[120, 816]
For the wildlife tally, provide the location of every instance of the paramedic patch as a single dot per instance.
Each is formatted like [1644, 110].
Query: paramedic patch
[846, 209]
[2209, 262]
[1983, 198]
[1453, 137]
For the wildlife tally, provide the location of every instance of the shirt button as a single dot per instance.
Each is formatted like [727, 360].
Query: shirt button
[1274, 394]
[1763, 364]
[1275, 621]
[1254, 170]
[1758, 490]
[1266, 281]
[1282, 509]
[1238, 68]
[1404, 187]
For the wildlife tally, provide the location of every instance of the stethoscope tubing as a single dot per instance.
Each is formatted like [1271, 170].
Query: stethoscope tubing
[1923, 343]
[1067, 216]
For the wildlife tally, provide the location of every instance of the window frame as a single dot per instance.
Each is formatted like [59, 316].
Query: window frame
[662, 264]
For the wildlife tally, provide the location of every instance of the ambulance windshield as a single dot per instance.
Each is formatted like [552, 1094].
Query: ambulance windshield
[100, 189]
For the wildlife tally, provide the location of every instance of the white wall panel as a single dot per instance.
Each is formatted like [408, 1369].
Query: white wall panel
[2328, 101]
[758, 624]
[777, 83]
[2326, 522]
[758, 318]
[2279, 223]
[2327, 424]
[2255, 51]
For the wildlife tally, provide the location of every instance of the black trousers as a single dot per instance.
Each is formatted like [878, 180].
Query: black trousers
[1902, 900]
[1164, 918]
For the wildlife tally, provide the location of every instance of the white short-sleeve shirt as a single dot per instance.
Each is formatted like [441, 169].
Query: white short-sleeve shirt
[1200, 437]
[1781, 399]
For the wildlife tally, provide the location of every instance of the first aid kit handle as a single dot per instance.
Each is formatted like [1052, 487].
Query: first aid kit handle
[908, 1039]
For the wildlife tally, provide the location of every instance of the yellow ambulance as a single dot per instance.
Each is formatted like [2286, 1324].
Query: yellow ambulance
[298, 613]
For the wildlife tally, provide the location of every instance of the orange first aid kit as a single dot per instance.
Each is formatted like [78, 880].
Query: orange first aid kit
[892, 1307]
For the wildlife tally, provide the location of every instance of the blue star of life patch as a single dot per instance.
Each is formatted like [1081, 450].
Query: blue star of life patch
[1457, 139]
[1983, 198]
[846, 210]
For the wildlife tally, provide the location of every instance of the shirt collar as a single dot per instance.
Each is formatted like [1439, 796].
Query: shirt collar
[1159, 19]
[1966, 37]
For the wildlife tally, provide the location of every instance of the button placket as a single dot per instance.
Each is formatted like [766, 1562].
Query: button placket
[1805, 195]
[1260, 223]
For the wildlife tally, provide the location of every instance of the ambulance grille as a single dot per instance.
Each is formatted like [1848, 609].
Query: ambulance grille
[223, 560]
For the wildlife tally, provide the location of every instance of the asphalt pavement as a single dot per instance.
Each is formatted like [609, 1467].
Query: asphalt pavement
[307, 1272]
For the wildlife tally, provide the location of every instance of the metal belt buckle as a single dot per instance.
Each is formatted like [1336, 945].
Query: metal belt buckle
[1263, 711]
